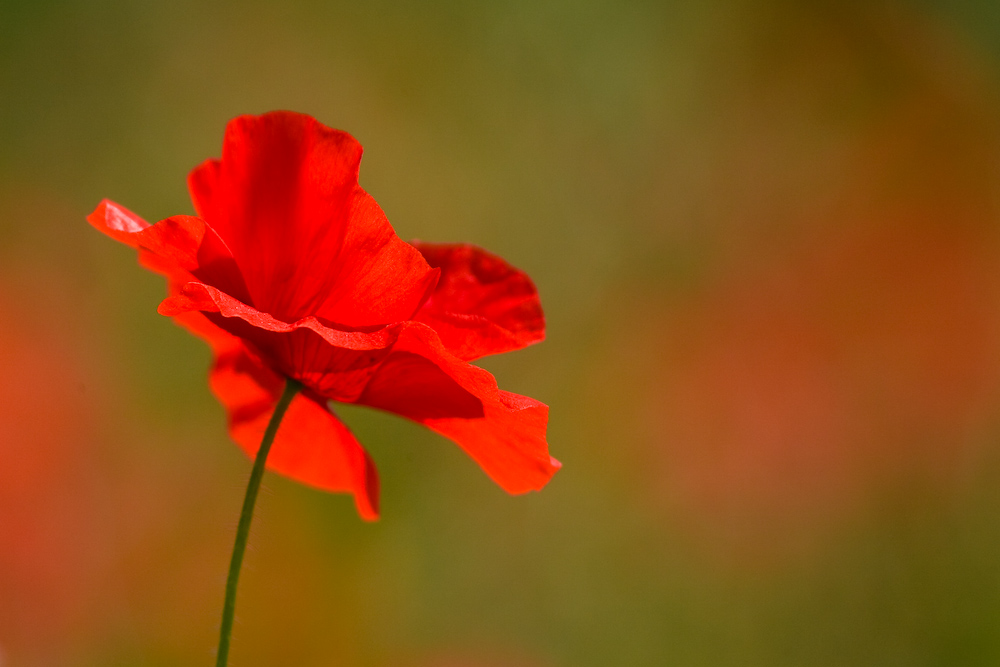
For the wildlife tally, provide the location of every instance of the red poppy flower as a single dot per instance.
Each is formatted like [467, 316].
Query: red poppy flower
[292, 270]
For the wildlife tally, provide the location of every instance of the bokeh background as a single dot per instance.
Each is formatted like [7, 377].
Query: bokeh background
[766, 237]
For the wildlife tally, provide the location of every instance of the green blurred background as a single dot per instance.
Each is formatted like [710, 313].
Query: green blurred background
[766, 238]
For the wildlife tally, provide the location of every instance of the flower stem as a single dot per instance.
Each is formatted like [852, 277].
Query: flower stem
[292, 387]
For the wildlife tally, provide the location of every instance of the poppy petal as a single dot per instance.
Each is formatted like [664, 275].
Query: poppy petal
[285, 197]
[312, 446]
[332, 362]
[504, 432]
[481, 305]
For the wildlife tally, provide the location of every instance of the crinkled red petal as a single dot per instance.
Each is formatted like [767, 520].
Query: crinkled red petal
[481, 305]
[312, 446]
[285, 198]
[504, 432]
[332, 362]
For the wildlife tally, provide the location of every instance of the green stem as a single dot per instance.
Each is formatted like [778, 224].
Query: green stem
[243, 529]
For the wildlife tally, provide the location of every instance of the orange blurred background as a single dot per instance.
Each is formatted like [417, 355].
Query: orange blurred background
[766, 238]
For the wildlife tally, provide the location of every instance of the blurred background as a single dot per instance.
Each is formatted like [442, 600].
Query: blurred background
[767, 238]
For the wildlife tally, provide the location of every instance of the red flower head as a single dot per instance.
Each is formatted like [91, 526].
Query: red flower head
[292, 270]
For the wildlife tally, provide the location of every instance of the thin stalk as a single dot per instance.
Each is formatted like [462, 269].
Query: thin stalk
[292, 387]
